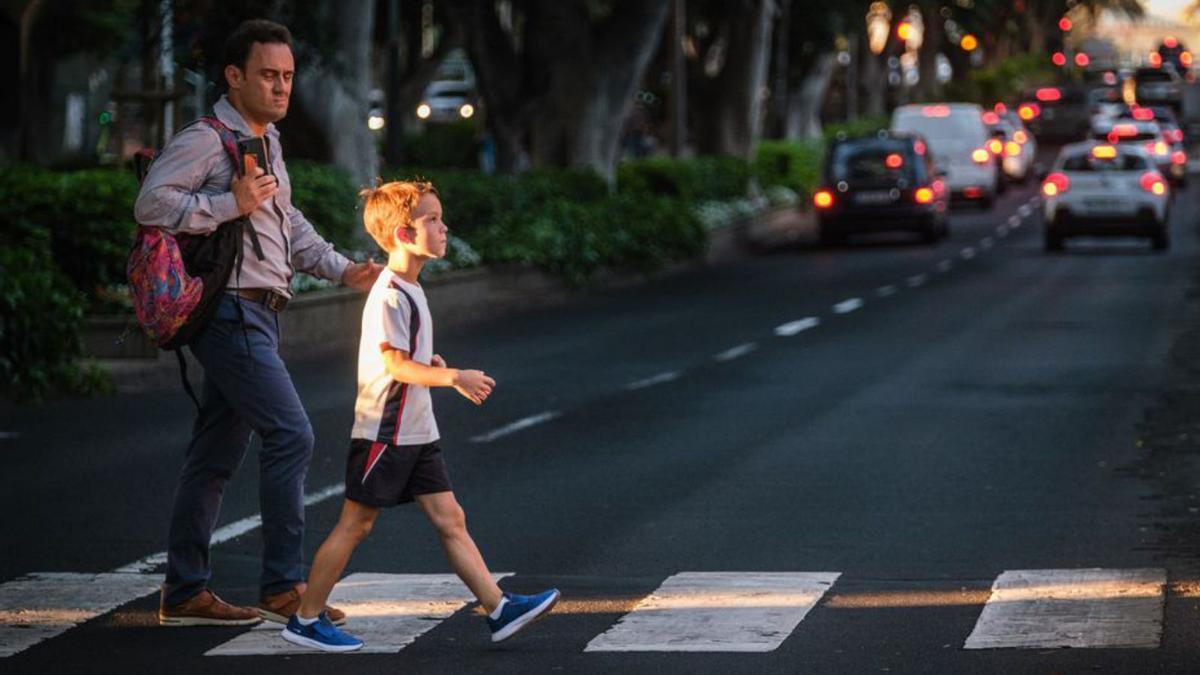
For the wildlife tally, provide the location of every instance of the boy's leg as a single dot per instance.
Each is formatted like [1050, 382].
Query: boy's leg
[352, 527]
[448, 519]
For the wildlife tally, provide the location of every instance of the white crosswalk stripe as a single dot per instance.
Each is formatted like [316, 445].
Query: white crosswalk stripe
[44, 605]
[386, 611]
[1103, 608]
[717, 612]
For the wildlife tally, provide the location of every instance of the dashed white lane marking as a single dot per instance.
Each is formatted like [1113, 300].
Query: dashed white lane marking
[1014, 221]
[986, 243]
[9, 435]
[967, 253]
[885, 291]
[1001, 230]
[794, 327]
[917, 280]
[523, 423]
[717, 612]
[848, 305]
[660, 378]
[387, 611]
[1040, 609]
[736, 352]
[945, 266]
[1025, 210]
[43, 605]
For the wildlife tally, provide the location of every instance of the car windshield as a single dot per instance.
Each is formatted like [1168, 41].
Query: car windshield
[1140, 136]
[964, 126]
[1153, 75]
[869, 160]
[1088, 162]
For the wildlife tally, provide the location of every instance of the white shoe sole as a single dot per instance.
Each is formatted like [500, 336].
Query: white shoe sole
[202, 621]
[283, 620]
[526, 618]
[308, 642]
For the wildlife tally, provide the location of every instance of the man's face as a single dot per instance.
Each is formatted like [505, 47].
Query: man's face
[427, 236]
[266, 84]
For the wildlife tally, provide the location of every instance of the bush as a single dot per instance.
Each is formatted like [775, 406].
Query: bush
[41, 315]
[855, 127]
[327, 197]
[1003, 80]
[692, 180]
[792, 164]
[444, 146]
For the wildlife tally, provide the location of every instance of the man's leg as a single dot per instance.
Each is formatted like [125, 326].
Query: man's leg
[353, 526]
[448, 519]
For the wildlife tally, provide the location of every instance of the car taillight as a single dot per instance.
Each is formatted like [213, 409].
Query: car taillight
[1055, 184]
[923, 195]
[1152, 182]
[1157, 147]
[980, 156]
[1176, 135]
[996, 146]
[1143, 114]
[823, 199]
[1179, 157]
[1028, 111]
[1012, 148]
[1021, 137]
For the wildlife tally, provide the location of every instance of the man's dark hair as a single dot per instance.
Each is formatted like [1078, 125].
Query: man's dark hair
[237, 47]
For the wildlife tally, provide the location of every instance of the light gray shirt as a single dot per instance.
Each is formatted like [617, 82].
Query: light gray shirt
[188, 191]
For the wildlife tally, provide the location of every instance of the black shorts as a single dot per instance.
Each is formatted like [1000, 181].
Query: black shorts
[386, 475]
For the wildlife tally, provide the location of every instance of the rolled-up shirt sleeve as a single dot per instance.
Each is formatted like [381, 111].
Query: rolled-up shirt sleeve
[310, 252]
[172, 195]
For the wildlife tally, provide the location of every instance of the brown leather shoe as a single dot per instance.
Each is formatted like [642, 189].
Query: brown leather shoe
[206, 609]
[281, 606]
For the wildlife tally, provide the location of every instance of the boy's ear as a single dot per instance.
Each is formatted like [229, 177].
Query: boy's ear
[403, 235]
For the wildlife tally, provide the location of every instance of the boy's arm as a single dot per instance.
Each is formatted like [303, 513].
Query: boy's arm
[472, 384]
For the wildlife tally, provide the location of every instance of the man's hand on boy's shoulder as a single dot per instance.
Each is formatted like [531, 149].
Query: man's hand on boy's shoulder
[361, 275]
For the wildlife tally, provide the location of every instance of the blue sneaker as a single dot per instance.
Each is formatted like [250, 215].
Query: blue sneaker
[321, 634]
[520, 611]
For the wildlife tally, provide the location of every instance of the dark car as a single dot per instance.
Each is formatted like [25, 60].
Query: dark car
[1161, 86]
[880, 183]
[1056, 112]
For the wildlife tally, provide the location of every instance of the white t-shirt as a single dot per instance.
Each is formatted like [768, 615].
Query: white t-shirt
[387, 411]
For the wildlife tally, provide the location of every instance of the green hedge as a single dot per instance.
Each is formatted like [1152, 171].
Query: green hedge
[327, 197]
[444, 146]
[792, 164]
[694, 179]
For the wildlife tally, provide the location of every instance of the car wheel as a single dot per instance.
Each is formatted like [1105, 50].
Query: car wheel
[1159, 240]
[1053, 242]
[988, 201]
[830, 237]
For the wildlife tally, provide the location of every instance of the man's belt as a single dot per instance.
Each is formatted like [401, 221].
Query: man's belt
[263, 296]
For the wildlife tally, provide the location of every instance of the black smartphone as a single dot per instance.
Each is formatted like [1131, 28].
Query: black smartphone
[257, 146]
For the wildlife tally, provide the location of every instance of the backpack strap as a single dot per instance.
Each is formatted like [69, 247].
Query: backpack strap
[229, 143]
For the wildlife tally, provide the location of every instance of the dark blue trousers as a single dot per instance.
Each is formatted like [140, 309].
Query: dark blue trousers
[246, 389]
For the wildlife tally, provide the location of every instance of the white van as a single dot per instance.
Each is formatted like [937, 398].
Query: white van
[957, 137]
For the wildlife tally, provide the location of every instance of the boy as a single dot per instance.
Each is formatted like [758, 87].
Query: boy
[394, 457]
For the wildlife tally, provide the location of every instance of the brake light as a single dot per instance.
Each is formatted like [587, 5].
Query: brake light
[1012, 148]
[919, 148]
[1175, 135]
[1124, 130]
[1153, 182]
[1179, 157]
[1104, 152]
[981, 156]
[1048, 94]
[1000, 108]
[823, 199]
[1143, 114]
[923, 195]
[1021, 137]
[991, 118]
[935, 111]
[996, 146]
[1155, 60]
[1055, 184]
[894, 161]
[1186, 59]
[1028, 111]
[1170, 42]
[1157, 147]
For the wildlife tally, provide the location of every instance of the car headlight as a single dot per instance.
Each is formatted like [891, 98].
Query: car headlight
[466, 111]
[423, 111]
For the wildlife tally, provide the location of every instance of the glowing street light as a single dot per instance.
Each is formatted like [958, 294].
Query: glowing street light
[969, 43]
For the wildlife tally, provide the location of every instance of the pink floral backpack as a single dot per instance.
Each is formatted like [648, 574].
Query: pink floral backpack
[176, 279]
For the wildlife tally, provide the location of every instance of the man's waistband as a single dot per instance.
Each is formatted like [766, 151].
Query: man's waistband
[266, 297]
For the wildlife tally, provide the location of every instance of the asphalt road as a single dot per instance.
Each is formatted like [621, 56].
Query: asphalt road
[932, 417]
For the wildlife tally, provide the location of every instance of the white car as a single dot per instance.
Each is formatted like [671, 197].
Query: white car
[1144, 133]
[1105, 189]
[446, 101]
[957, 138]
[1012, 144]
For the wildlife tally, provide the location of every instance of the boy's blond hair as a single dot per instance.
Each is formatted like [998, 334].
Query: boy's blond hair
[390, 205]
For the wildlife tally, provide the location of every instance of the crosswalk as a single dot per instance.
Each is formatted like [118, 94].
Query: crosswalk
[688, 612]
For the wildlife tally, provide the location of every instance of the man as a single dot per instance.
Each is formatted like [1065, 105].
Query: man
[192, 188]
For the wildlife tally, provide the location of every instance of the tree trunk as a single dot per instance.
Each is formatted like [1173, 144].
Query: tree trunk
[734, 123]
[874, 81]
[333, 95]
[37, 81]
[934, 39]
[804, 107]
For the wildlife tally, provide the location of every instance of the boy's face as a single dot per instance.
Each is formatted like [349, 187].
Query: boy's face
[427, 235]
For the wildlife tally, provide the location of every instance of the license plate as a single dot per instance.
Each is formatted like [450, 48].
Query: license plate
[1100, 206]
[874, 197]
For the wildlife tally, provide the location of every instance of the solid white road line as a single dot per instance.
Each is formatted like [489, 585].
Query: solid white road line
[387, 611]
[945, 266]
[9, 435]
[793, 327]
[520, 424]
[45, 604]
[847, 306]
[917, 280]
[1040, 609]
[1014, 221]
[967, 253]
[661, 378]
[717, 612]
[1002, 230]
[885, 291]
[736, 352]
